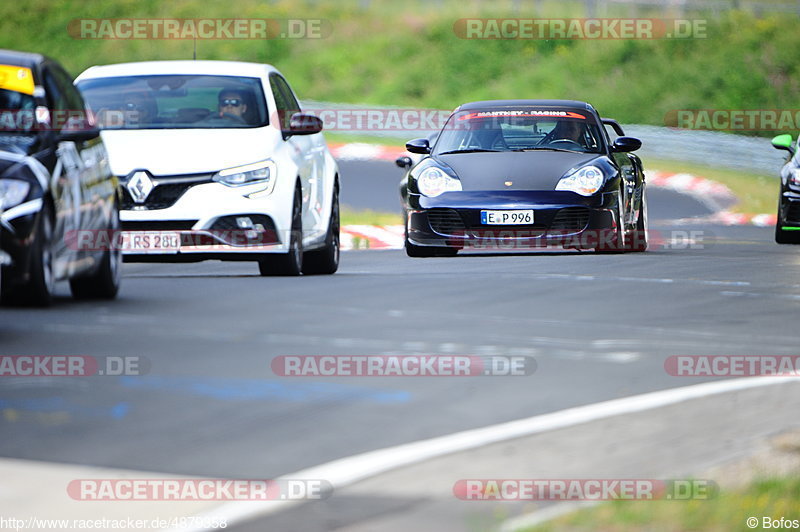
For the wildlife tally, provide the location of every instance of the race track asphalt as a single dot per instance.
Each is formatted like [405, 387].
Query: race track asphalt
[599, 327]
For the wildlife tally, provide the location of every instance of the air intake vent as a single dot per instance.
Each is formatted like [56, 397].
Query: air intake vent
[446, 222]
[570, 220]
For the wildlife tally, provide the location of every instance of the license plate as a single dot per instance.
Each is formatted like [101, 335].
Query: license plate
[150, 242]
[521, 217]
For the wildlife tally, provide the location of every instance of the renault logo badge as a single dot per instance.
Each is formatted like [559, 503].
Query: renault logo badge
[140, 185]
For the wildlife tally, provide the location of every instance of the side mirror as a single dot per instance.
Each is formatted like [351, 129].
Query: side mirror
[418, 146]
[783, 142]
[404, 161]
[304, 124]
[78, 135]
[623, 144]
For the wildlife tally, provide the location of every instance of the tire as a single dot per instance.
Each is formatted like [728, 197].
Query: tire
[785, 237]
[617, 242]
[288, 264]
[638, 240]
[325, 261]
[103, 283]
[38, 289]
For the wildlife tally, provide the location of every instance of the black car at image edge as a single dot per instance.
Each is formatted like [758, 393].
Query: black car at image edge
[55, 185]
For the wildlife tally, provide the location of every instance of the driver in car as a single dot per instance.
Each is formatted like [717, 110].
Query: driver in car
[231, 102]
[569, 130]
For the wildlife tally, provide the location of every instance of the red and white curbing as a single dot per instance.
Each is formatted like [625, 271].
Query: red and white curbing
[689, 184]
[359, 151]
[372, 237]
[714, 194]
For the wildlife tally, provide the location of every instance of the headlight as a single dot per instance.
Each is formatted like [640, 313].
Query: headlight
[12, 192]
[264, 173]
[585, 181]
[433, 181]
[794, 177]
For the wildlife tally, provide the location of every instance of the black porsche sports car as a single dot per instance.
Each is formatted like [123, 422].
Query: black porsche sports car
[58, 197]
[787, 227]
[522, 174]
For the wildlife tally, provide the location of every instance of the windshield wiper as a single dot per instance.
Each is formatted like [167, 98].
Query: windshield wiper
[471, 150]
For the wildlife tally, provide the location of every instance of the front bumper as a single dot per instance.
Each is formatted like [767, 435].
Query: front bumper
[17, 234]
[561, 219]
[789, 215]
[205, 219]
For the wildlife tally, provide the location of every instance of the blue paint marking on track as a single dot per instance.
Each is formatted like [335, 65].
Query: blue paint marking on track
[60, 404]
[235, 389]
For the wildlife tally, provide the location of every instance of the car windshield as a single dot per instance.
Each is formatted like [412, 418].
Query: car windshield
[176, 102]
[17, 103]
[519, 130]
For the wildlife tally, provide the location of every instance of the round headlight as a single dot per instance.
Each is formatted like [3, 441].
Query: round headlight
[434, 181]
[585, 181]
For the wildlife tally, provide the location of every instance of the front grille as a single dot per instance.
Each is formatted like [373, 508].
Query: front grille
[570, 220]
[446, 221]
[167, 190]
[793, 212]
[158, 225]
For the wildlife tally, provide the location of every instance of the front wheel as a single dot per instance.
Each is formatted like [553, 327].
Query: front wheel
[638, 241]
[615, 242]
[290, 263]
[104, 283]
[325, 261]
[38, 289]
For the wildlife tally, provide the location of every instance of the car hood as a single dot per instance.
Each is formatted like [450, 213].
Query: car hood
[539, 170]
[186, 151]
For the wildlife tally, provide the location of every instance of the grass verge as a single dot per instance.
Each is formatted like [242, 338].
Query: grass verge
[351, 216]
[773, 498]
[757, 193]
[346, 138]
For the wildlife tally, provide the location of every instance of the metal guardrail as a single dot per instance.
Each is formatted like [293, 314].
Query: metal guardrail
[710, 148]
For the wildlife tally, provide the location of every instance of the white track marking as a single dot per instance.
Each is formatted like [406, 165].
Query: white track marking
[346, 471]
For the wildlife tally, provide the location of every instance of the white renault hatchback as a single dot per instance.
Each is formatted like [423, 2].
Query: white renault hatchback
[216, 160]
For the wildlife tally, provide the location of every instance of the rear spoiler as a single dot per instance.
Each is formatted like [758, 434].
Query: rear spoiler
[614, 125]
